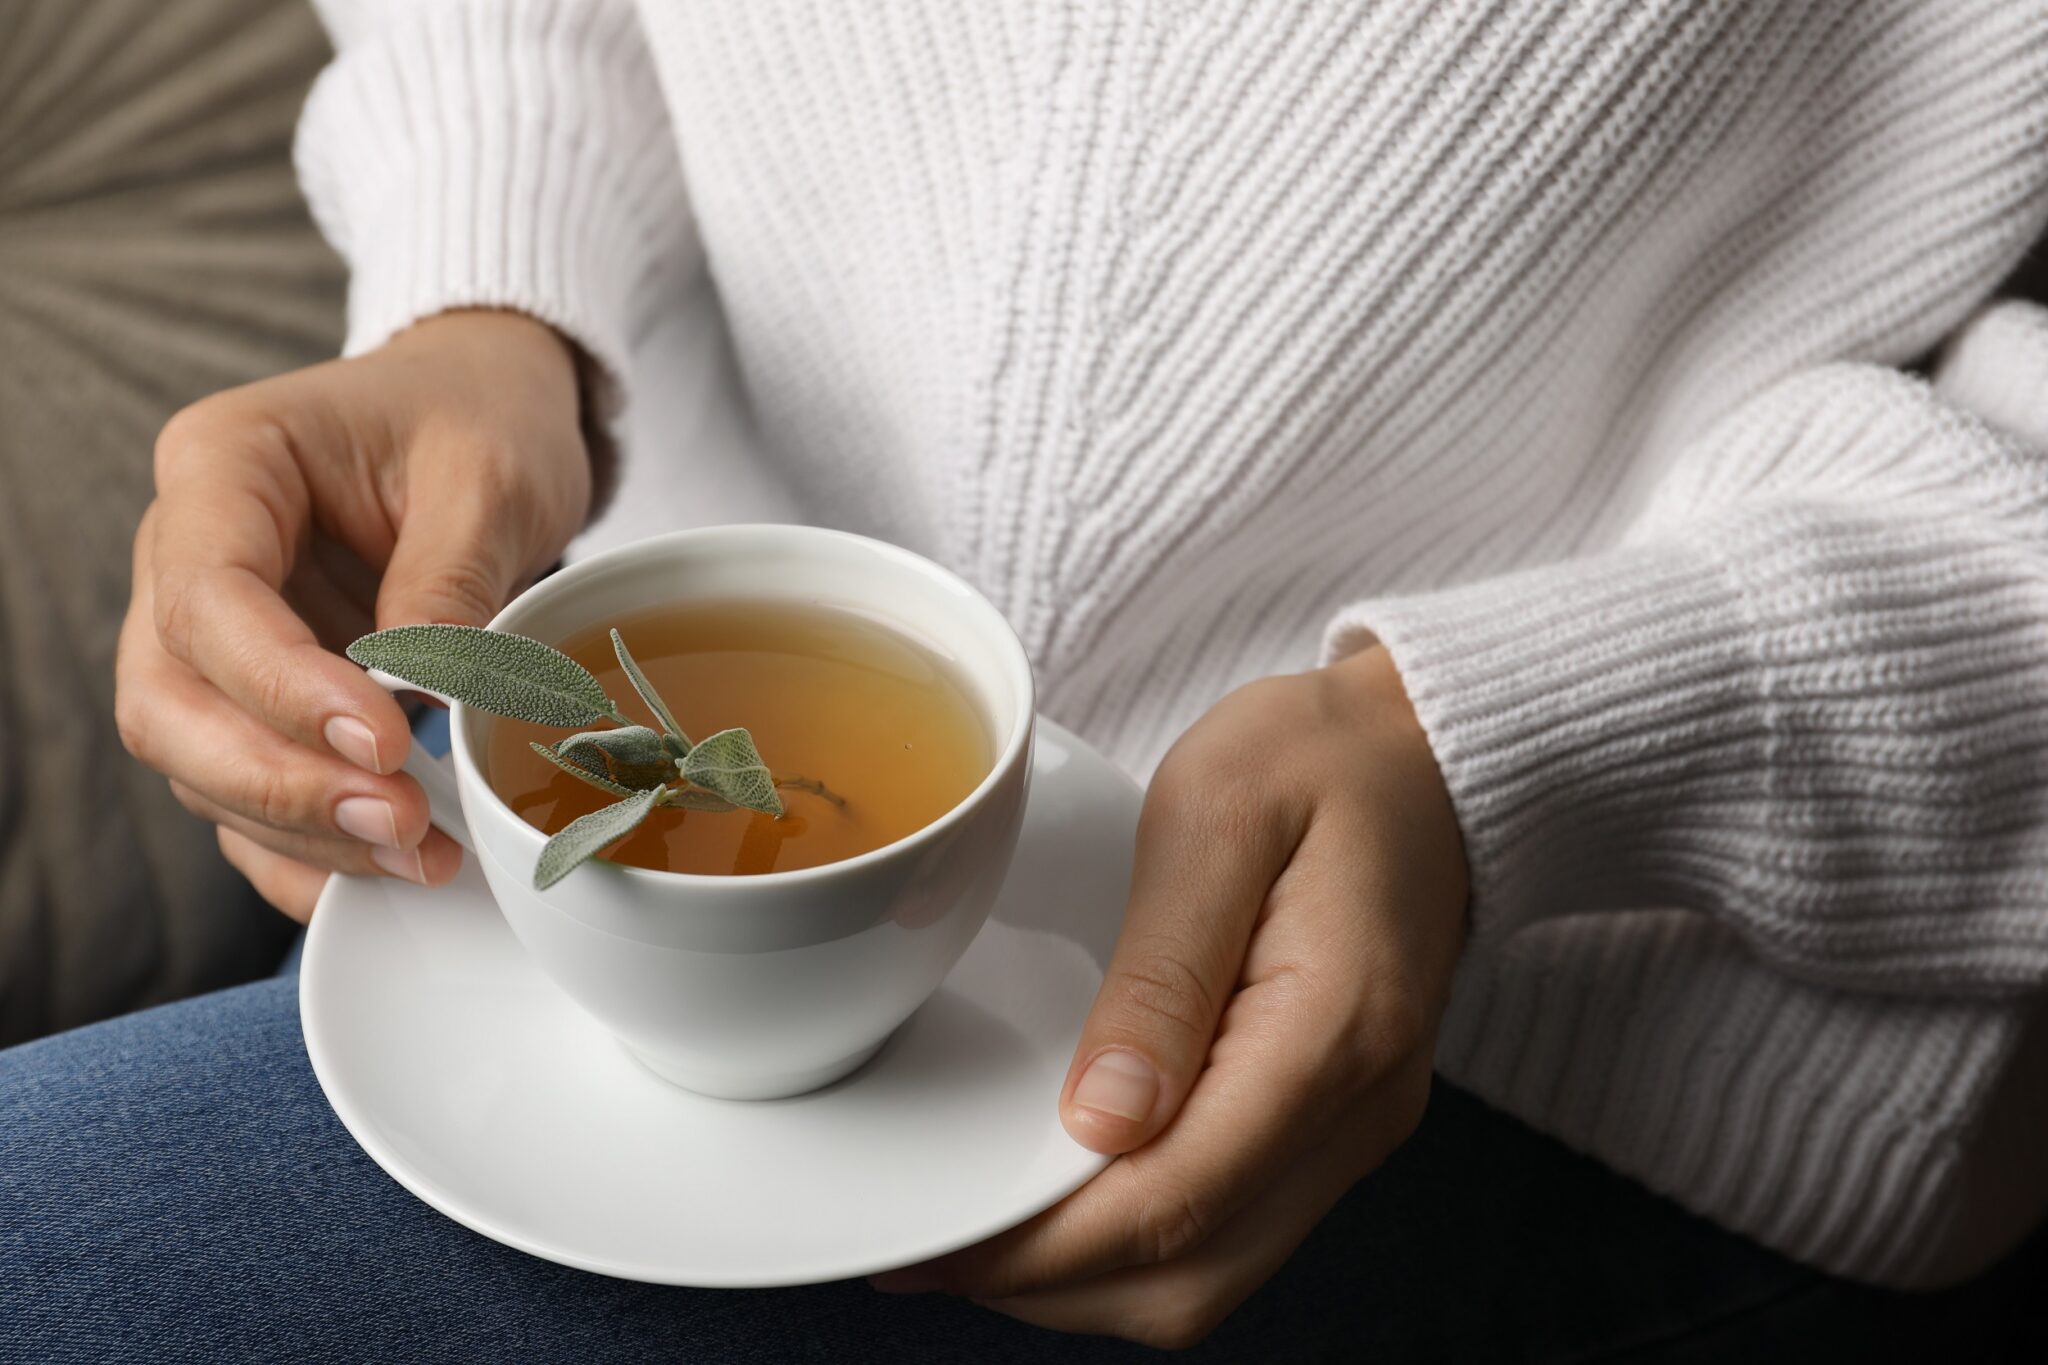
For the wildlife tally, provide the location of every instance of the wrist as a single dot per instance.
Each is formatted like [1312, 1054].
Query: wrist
[1377, 702]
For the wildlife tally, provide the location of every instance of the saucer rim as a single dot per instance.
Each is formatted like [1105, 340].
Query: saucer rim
[1086, 1167]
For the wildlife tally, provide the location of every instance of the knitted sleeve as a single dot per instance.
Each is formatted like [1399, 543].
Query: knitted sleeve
[1806, 693]
[498, 153]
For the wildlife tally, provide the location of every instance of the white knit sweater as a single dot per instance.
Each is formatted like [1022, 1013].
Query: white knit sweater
[1550, 342]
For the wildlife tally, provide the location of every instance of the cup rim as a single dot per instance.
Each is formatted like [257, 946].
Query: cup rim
[1012, 751]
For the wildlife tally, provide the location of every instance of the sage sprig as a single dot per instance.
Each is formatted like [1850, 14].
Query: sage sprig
[510, 675]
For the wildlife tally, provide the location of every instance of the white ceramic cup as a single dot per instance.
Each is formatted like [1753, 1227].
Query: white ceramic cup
[762, 986]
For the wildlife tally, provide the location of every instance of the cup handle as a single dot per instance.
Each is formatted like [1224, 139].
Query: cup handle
[436, 776]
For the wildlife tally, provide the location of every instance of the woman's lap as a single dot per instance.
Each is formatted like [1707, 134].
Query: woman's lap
[174, 1185]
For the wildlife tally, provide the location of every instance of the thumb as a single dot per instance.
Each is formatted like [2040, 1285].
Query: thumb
[454, 562]
[1196, 889]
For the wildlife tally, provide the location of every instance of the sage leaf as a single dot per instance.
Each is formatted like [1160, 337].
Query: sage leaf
[604, 783]
[728, 765]
[647, 692]
[633, 756]
[588, 835]
[506, 675]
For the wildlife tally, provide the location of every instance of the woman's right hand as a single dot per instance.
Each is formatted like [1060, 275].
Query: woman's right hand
[425, 481]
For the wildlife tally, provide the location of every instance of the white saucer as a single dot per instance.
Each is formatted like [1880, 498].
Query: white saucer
[464, 1073]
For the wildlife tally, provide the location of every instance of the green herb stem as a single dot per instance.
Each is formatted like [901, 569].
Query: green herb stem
[798, 782]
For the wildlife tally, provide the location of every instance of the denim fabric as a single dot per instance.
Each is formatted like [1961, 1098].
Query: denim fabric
[173, 1186]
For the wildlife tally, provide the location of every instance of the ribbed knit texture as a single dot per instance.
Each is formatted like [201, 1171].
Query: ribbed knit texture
[1544, 342]
[512, 155]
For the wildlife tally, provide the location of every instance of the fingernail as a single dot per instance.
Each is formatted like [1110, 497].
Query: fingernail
[352, 739]
[1118, 1083]
[401, 862]
[368, 818]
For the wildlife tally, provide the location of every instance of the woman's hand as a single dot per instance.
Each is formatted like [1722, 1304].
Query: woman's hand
[1265, 1031]
[426, 481]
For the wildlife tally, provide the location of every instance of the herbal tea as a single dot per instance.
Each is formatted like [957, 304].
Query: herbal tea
[845, 701]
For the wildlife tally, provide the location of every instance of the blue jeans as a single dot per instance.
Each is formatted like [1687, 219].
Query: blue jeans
[173, 1186]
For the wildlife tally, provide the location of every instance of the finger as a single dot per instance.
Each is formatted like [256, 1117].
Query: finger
[433, 862]
[227, 527]
[1177, 1304]
[1249, 1116]
[457, 560]
[291, 886]
[1202, 871]
[177, 723]
[189, 732]
[1317, 1034]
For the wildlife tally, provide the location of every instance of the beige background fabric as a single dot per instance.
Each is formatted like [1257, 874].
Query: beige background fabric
[153, 249]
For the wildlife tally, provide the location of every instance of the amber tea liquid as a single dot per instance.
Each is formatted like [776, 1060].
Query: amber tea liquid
[828, 694]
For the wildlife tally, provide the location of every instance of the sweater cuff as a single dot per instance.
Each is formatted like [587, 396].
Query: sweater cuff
[498, 153]
[1583, 714]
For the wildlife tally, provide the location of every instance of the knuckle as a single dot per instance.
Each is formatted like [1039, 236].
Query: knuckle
[466, 592]
[184, 437]
[1250, 756]
[511, 496]
[272, 689]
[491, 472]
[1157, 991]
[131, 722]
[202, 431]
[271, 798]
[1400, 1026]
[177, 604]
[1171, 1222]
[1215, 796]
[1177, 1325]
[1365, 1035]
[1383, 1037]
[492, 460]
[1389, 1020]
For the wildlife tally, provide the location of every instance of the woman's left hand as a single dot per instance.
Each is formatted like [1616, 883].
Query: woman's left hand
[1265, 1030]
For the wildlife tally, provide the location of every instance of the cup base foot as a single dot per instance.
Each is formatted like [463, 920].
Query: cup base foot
[760, 1086]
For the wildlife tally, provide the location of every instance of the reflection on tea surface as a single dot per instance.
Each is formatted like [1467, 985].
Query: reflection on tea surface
[877, 718]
